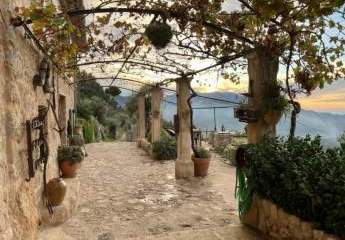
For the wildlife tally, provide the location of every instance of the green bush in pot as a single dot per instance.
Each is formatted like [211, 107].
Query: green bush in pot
[202, 153]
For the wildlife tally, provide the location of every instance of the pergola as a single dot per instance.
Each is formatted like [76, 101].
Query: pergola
[119, 52]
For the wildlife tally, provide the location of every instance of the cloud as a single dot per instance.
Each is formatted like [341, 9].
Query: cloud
[329, 99]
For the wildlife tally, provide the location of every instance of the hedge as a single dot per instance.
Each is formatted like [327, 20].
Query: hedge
[302, 178]
[164, 149]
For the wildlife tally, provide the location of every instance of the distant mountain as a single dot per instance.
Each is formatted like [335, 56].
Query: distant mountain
[121, 100]
[327, 125]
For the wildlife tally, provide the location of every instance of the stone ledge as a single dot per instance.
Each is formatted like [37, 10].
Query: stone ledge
[63, 212]
[275, 223]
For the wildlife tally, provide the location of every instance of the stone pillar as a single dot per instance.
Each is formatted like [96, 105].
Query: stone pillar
[156, 114]
[262, 70]
[141, 119]
[184, 166]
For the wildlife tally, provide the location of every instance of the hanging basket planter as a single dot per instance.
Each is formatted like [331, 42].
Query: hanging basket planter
[246, 114]
[56, 191]
[159, 33]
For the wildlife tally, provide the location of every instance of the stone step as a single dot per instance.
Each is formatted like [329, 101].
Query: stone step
[232, 232]
[53, 233]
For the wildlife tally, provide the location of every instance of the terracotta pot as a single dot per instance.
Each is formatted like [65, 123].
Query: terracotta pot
[201, 166]
[69, 170]
[56, 191]
[78, 130]
[273, 117]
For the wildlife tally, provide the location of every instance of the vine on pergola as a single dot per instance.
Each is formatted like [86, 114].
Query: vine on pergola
[307, 36]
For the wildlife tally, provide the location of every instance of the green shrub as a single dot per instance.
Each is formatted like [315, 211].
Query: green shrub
[303, 178]
[164, 149]
[219, 150]
[230, 153]
[89, 131]
[201, 152]
[73, 154]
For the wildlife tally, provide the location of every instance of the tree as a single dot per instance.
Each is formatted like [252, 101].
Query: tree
[341, 140]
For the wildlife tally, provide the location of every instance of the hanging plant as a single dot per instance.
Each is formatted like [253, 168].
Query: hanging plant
[113, 91]
[159, 33]
[305, 81]
[274, 104]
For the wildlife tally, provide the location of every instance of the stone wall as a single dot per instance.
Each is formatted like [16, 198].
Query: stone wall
[221, 139]
[19, 62]
[275, 223]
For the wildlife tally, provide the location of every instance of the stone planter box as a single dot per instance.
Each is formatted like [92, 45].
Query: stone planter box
[275, 223]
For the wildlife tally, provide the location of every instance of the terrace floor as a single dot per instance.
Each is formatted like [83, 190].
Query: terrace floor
[126, 195]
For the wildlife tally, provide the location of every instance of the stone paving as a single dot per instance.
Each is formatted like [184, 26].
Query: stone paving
[126, 195]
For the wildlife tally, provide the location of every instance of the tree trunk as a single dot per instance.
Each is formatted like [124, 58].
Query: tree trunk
[262, 69]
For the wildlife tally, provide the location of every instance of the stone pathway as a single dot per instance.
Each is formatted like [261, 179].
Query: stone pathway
[126, 195]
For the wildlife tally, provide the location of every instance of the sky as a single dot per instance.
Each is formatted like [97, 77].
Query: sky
[329, 99]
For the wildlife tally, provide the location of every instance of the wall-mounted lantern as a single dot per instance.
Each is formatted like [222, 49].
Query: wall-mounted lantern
[42, 79]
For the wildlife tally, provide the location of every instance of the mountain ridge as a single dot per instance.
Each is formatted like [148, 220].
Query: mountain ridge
[328, 125]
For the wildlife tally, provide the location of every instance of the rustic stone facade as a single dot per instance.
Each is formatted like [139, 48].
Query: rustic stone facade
[221, 139]
[20, 200]
[275, 223]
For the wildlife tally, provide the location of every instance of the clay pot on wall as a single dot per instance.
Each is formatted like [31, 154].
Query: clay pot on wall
[69, 169]
[56, 191]
[70, 158]
[78, 130]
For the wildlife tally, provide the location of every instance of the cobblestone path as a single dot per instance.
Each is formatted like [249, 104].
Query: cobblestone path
[126, 195]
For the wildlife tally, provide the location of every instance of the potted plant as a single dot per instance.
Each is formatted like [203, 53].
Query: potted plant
[201, 159]
[56, 191]
[78, 129]
[70, 158]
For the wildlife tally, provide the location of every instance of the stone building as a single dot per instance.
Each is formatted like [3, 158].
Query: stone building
[20, 59]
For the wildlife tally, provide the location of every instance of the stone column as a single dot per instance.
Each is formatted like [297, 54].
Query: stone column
[141, 119]
[262, 70]
[184, 166]
[156, 114]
